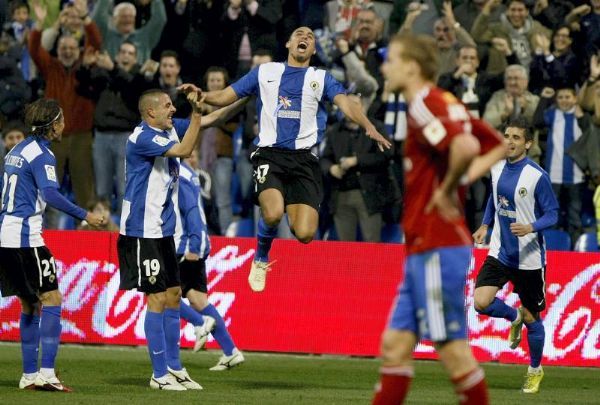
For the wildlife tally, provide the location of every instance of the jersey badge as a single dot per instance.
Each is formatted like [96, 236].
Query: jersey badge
[160, 140]
[523, 192]
[50, 172]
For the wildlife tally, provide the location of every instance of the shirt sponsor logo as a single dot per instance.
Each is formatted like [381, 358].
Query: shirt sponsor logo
[283, 111]
[15, 161]
[50, 172]
[434, 132]
[160, 140]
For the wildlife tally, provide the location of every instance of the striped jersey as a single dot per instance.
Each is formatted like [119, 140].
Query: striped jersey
[191, 235]
[563, 131]
[151, 181]
[29, 167]
[521, 193]
[289, 103]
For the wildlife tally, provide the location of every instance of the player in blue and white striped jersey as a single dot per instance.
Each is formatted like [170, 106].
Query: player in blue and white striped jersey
[291, 120]
[147, 257]
[521, 206]
[193, 247]
[27, 268]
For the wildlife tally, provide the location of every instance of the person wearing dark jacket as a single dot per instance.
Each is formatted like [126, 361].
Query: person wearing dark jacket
[361, 186]
[115, 116]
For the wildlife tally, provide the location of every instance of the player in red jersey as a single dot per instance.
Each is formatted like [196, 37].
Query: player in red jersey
[445, 147]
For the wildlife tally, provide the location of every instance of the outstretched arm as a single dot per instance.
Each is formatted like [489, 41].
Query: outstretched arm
[354, 112]
[222, 115]
[220, 98]
[187, 145]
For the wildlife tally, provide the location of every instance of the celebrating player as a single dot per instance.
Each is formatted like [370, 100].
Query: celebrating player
[291, 119]
[27, 268]
[146, 249]
[440, 149]
[521, 205]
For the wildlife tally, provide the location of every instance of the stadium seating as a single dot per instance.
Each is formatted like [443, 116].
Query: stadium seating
[588, 242]
[557, 240]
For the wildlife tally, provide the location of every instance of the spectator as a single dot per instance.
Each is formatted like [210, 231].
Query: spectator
[101, 207]
[559, 67]
[69, 22]
[473, 88]
[248, 25]
[216, 151]
[115, 115]
[62, 85]
[589, 24]
[360, 180]
[430, 12]
[563, 125]
[356, 74]
[164, 75]
[367, 42]
[15, 91]
[551, 14]
[12, 133]
[467, 12]
[203, 45]
[18, 30]
[516, 27]
[342, 15]
[448, 34]
[123, 15]
[514, 100]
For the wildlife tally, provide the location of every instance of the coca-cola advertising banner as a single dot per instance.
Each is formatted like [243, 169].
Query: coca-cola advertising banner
[325, 297]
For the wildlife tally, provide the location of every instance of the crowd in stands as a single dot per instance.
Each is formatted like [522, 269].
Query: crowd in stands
[536, 58]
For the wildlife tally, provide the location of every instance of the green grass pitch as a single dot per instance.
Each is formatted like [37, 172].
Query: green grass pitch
[107, 375]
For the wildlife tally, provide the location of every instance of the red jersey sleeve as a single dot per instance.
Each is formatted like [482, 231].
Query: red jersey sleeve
[441, 118]
[487, 136]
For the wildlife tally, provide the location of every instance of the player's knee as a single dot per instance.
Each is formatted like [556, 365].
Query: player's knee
[481, 302]
[394, 350]
[304, 234]
[51, 298]
[272, 217]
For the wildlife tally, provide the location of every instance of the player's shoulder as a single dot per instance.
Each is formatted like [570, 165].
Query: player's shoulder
[144, 134]
[30, 149]
[434, 103]
[536, 169]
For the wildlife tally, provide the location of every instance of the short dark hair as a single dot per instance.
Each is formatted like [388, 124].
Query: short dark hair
[144, 100]
[128, 42]
[521, 122]
[509, 2]
[262, 52]
[218, 69]
[13, 126]
[17, 4]
[170, 54]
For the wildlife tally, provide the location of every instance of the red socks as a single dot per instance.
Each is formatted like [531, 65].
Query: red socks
[393, 386]
[471, 388]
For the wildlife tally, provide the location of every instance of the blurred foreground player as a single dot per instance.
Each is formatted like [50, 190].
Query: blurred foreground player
[442, 148]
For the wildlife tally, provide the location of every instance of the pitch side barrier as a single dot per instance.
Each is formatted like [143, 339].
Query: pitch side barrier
[325, 297]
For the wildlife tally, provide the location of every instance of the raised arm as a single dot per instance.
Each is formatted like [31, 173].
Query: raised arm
[222, 115]
[220, 98]
[187, 145]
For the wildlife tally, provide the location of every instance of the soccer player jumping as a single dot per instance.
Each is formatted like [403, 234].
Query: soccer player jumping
[291, 120]
[444, 145]
[521, 205]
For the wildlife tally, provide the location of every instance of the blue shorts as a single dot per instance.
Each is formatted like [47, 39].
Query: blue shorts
[431, 299]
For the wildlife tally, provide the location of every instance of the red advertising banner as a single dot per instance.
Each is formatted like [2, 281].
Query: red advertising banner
[325, 297]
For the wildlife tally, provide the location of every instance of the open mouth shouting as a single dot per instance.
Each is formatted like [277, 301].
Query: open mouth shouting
[302, 46]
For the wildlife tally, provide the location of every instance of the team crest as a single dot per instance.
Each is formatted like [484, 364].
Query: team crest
[522, 191]
[503, 201]
[314, 85]
[51, 278]
[152, 280]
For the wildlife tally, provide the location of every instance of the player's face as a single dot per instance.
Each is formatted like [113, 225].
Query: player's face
[193, 159]
[57, 128]
[301, 45]
[163, 112]
[12, 138]
[517, 145]
[394, 69]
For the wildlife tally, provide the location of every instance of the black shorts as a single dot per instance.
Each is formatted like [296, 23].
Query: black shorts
[27, 272]
[150, 265]
[530, 285]
[193, 275]
[295, 173]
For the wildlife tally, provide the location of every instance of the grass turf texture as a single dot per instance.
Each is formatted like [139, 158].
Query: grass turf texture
[104, 375]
